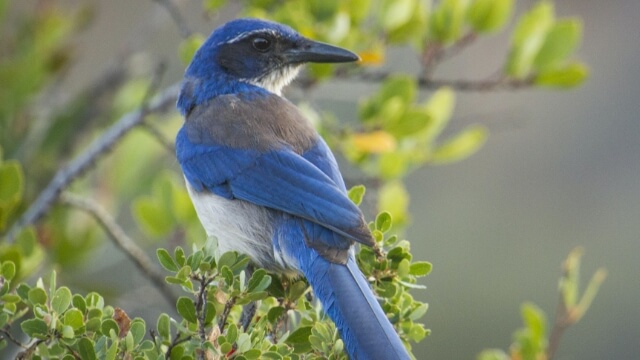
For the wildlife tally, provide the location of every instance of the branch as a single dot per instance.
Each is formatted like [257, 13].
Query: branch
[489, 84]
[225, 313]
[65, 176]
[177, 340]
[8, 335]
[434, 53]
[123, 242]
[176, 16]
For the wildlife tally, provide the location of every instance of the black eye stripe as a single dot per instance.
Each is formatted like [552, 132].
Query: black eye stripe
[261, 43]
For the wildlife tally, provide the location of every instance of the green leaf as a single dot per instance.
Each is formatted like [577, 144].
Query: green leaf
[493, 354]
[210, 313]
[560, 42]
[107, 326]
[166, 260]
[299, 339]
[439, 107]
[163, 326]
[227, 259]
[86, 350]
[67, 332]
[8, 270]
[79, 302]
[534, 320]
[460, 146]
[73, 318]
[396, 13]
[419, 312]
[35, 328]
[178, 254]
[37, 296]
[137, 330]
[296, 290]
[447, 21]
[275, 313]
[383, 221]
[187, 309]
[61, 300]
[420, 268]
[528, 37]
[571, 75]
[356, 194]
[259, 281]
[486, 16]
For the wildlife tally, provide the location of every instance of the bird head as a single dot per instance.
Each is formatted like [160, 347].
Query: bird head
[260, 53]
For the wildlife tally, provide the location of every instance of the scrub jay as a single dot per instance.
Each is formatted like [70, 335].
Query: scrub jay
[266, 184]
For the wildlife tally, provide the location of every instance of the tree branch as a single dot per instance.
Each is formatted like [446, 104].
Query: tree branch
[123, 242]
[492, 83]
[65, 176]
[7, 334]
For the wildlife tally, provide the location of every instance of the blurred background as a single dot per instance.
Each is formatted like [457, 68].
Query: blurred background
[560, 169]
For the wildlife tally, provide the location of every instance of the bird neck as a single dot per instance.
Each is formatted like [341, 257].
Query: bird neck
[198, 90]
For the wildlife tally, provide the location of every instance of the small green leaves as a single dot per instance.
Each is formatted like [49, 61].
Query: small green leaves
[166, 260]
[420, 268]
[356, 194]
[569, 76]
[560, 42]
[86, 350]
[61, 300]
[299, 339]
[460, 146]
[37, 296]
[447, 21]
[528, 38]
[383, 221]
[486, 16]
[187, 309]
[35, 328]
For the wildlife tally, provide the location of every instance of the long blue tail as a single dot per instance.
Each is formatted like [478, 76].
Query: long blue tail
[349, 301]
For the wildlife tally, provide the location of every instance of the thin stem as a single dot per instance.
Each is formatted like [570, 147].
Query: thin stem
[8, 335]
[177, 340]
[123, 242]
[225, 313]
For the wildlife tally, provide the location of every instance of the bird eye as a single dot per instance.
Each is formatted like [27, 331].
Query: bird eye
[261, 44]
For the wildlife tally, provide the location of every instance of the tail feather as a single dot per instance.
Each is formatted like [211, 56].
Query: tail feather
[351, 304]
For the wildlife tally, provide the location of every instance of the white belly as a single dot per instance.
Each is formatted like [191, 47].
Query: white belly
[239, 226]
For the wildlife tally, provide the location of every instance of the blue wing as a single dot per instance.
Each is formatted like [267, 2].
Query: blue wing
[278, 179]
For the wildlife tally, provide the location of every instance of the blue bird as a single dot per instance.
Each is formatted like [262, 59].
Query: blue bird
[266, 184]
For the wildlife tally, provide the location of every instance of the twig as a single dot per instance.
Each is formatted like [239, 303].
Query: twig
[123, 242]
[561, 323]
[10, 336]
[434, 53]
[489, 84]
[175, 14]
[27, 354]
[225, 313]
[65, 176]
[177, 340]
[201, 311]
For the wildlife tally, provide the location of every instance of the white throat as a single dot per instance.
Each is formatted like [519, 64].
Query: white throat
[277, 79]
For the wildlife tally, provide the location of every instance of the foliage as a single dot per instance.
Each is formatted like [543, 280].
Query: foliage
[398, 128]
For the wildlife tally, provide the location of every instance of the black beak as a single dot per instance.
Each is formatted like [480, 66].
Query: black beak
[313, 51]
